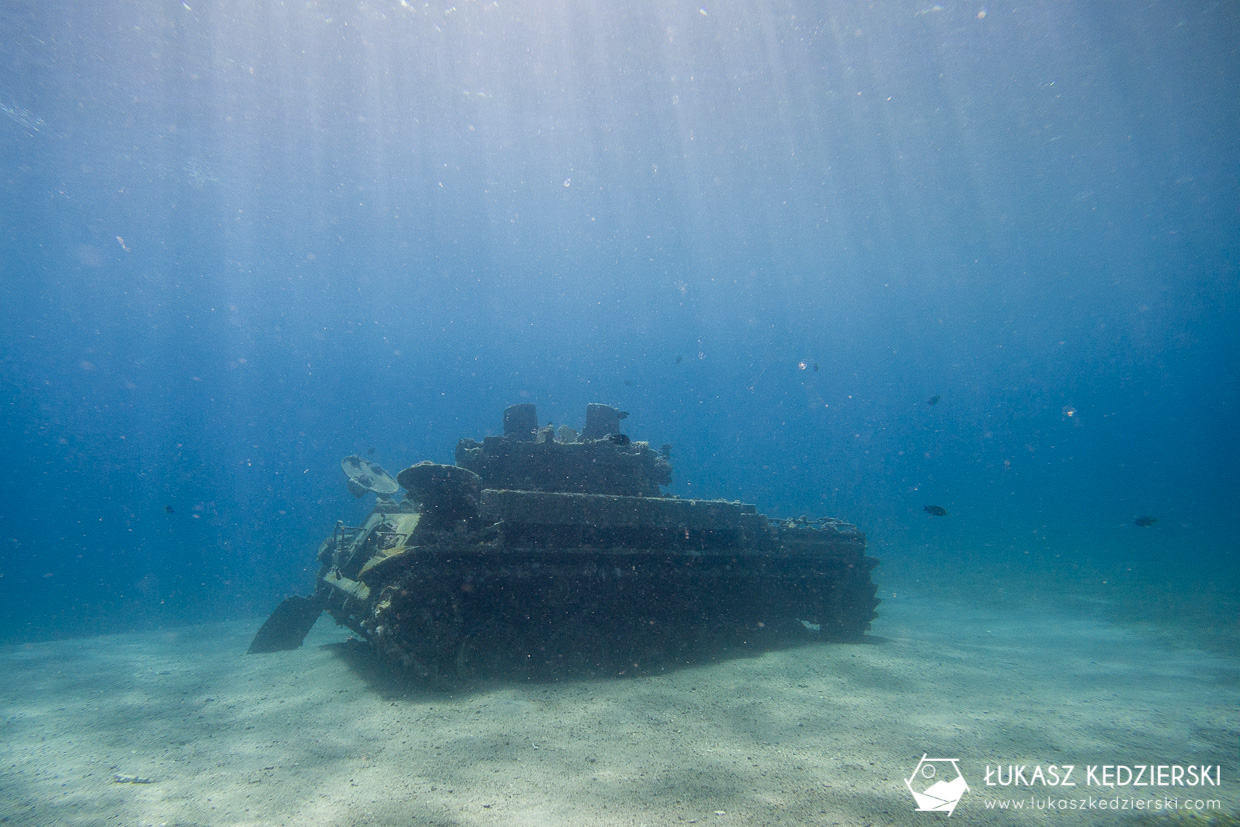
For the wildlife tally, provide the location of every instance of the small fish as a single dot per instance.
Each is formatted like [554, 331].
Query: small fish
[628, 383]
[168, 509]
[679, 359]
[934, 400]
[120, 778]
[935, 510]
[370, 450]
[815, 367]
[1144, 522]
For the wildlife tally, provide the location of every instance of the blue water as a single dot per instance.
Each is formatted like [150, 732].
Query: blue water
[241, 240]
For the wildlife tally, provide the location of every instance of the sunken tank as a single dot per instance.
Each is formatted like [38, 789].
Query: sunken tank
[546, 552]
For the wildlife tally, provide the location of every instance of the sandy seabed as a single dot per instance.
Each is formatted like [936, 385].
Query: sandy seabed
[181, 728]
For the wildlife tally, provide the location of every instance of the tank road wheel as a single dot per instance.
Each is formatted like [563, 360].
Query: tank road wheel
[575, 647]
[419, 628]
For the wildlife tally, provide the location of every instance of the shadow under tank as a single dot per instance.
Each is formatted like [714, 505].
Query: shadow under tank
[546, 553]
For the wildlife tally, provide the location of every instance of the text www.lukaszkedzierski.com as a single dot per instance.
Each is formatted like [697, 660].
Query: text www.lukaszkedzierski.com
[1164, 804]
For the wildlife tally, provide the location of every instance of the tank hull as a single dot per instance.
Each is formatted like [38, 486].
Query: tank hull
[568, 584]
